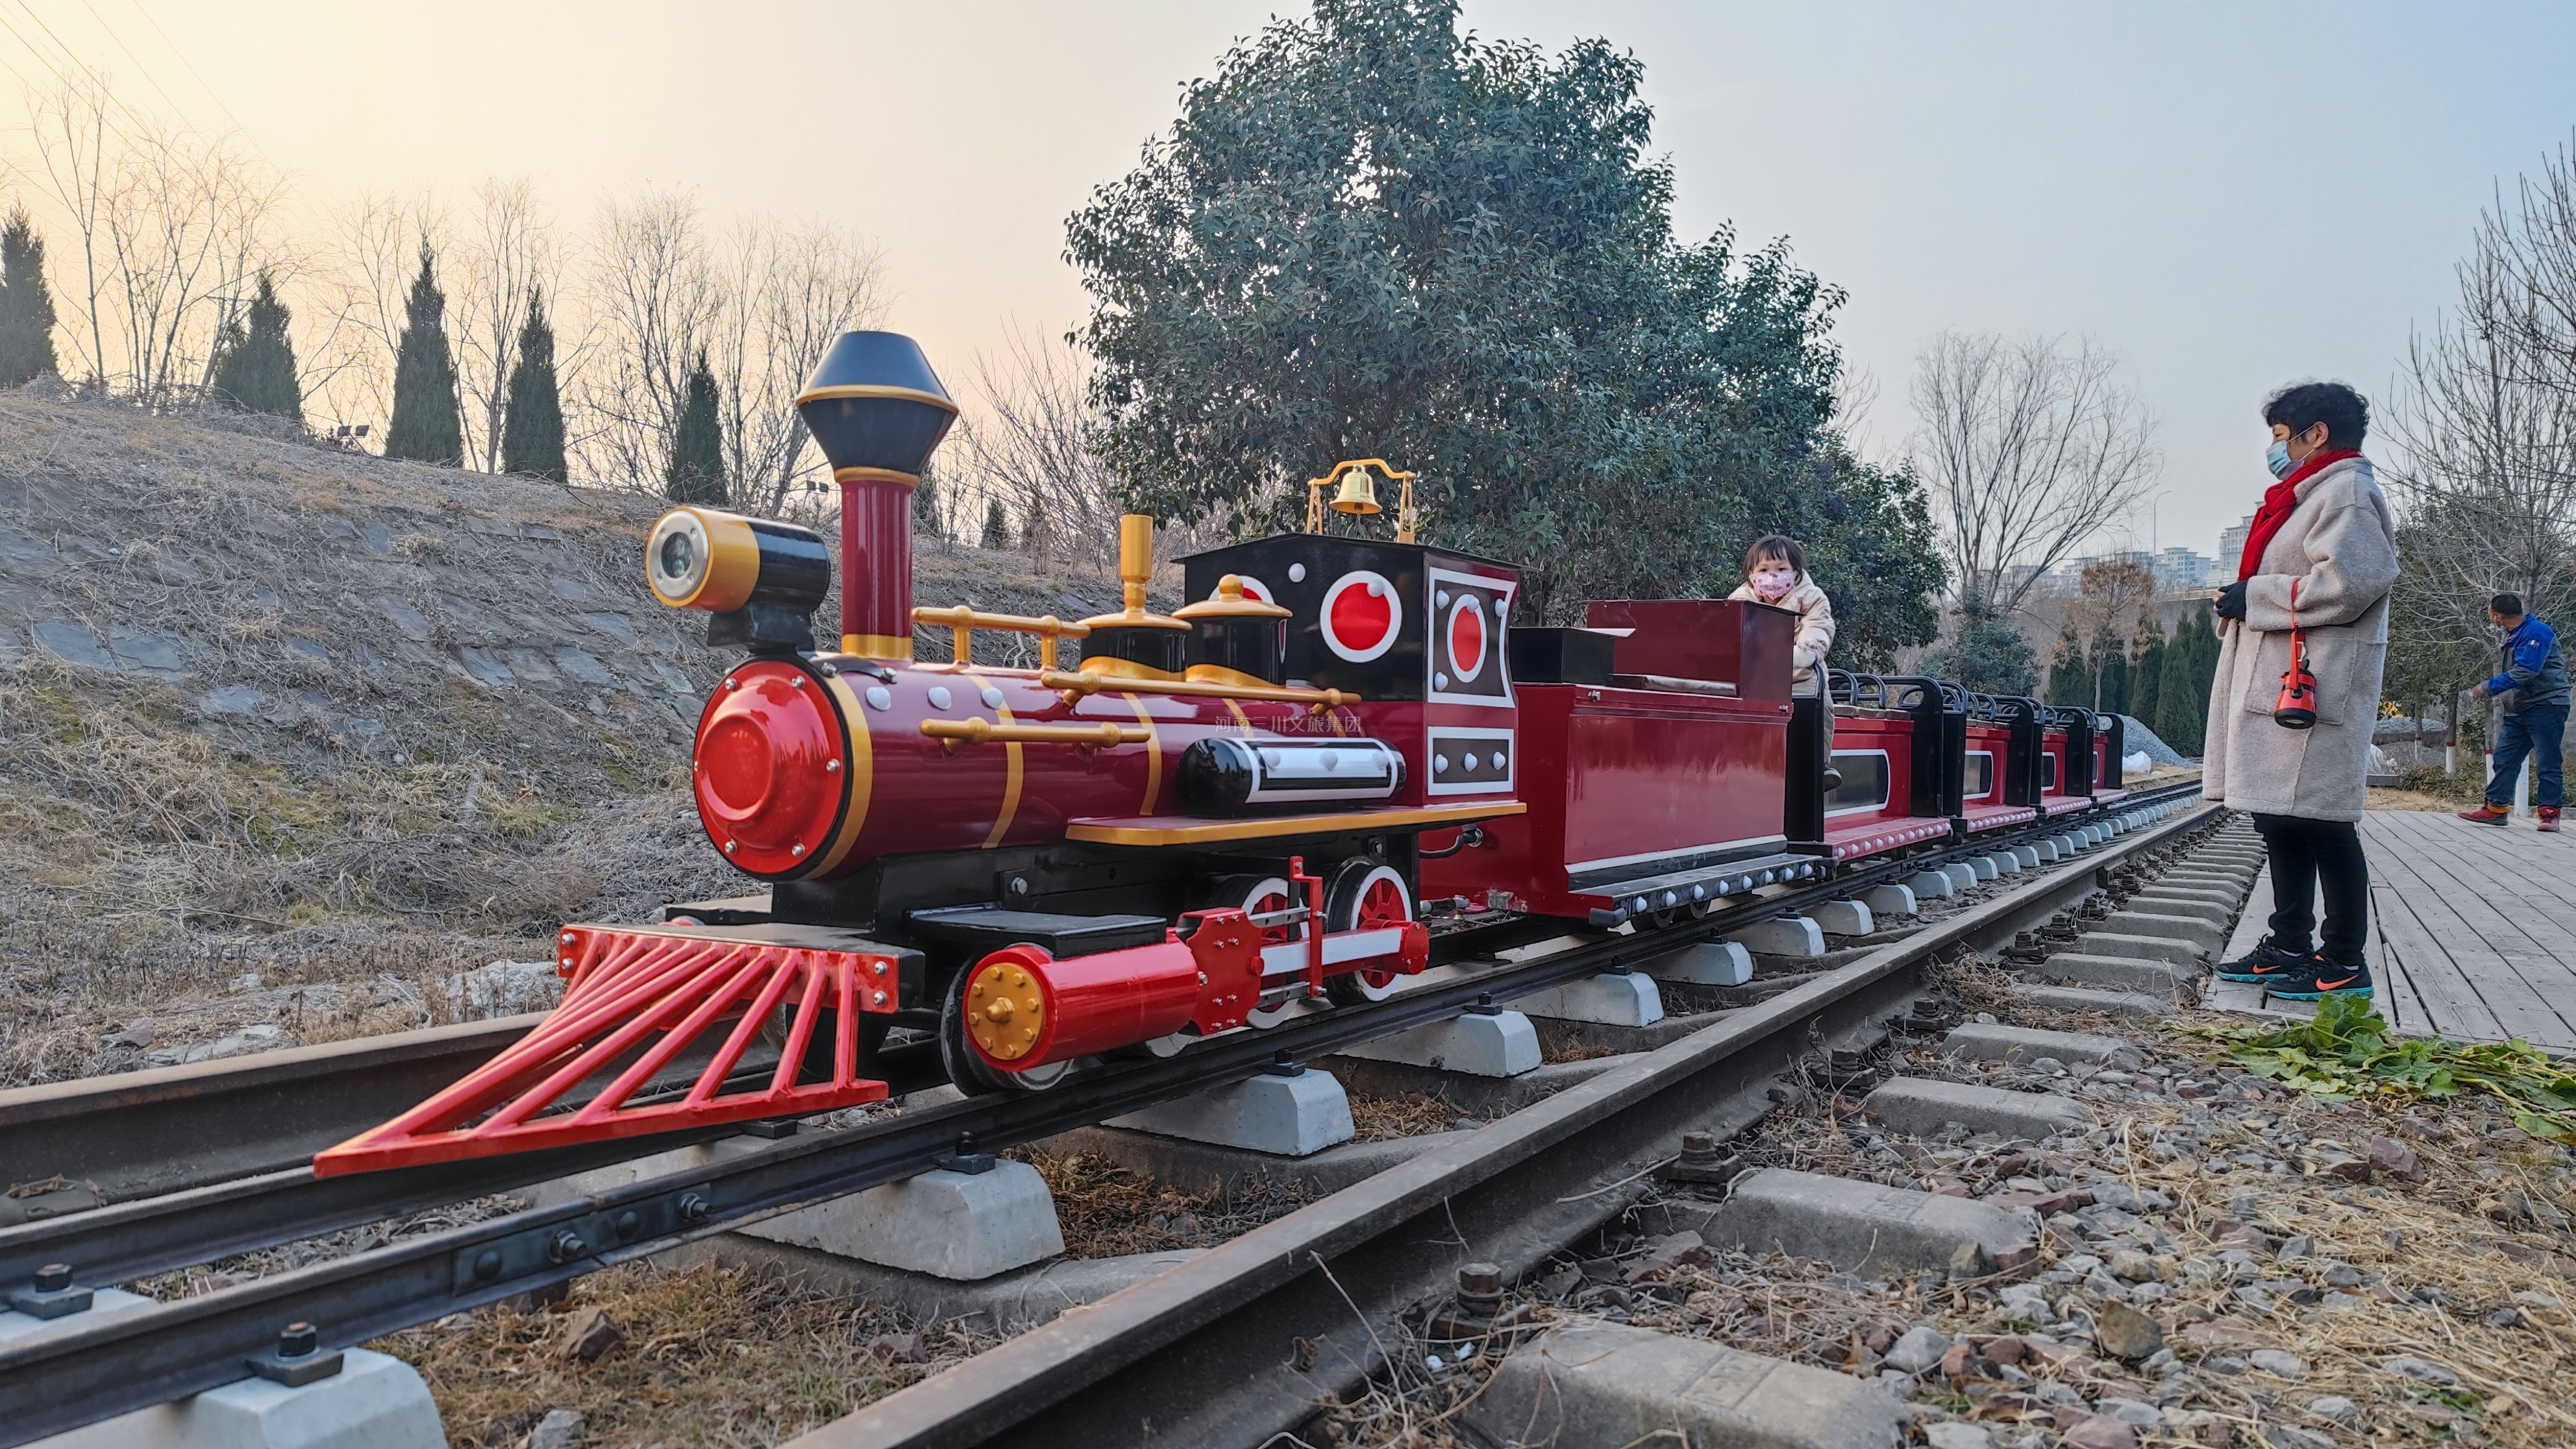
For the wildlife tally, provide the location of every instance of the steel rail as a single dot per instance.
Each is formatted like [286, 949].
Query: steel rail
[87, 1371]
[1239, 1344]
[169, 1128]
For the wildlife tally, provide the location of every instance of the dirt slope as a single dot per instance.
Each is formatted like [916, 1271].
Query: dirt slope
[290, 735]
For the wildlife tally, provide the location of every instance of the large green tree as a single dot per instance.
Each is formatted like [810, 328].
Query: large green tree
[1371, 236]
[254, 363]
[532, 431]
[424, 426]
[696, 472]
[1987, 655]
[2110, 673]
[26, 303]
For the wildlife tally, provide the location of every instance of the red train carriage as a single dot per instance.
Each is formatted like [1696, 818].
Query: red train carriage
[1999, 764]
[2110, 746]
[1656, 738]
[2067, 760]
[1893, 748]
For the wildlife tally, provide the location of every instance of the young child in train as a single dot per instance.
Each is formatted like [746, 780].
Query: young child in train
[1775, 573]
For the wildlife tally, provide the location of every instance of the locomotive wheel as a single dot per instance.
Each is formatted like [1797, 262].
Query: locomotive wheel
[967, 1067]
[1365, 894]
[1256, 895]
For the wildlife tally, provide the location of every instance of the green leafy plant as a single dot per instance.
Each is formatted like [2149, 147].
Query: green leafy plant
[2345, 1052]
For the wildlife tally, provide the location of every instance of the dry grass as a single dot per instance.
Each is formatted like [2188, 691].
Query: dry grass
[1109, 1211]
[1415, 1114]
[712, 1356]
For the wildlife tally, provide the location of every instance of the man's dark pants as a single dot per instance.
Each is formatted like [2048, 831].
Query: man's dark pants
[2524, 732]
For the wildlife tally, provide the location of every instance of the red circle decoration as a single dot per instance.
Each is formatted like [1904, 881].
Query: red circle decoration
[1362, 616]
[1466, 640]
[769, 768]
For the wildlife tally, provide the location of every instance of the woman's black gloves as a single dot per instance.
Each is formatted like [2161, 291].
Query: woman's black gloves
[2231, 601]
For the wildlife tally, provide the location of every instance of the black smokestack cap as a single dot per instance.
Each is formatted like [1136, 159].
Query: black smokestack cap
[873, 402]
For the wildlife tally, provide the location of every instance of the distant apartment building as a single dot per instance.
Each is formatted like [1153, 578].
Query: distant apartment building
[2175, 570]
[2231, 547]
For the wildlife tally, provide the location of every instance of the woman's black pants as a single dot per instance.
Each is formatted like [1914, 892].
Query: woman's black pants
[2307, 854]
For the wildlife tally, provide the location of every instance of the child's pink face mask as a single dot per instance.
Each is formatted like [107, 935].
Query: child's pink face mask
[1774, 584]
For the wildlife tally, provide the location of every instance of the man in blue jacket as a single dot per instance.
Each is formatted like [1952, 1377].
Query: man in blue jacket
[2532, 690]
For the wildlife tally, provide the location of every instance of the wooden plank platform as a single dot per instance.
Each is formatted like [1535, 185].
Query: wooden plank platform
[2473, 930]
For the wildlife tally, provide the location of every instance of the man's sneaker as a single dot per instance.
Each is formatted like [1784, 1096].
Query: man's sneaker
[2487, 815]
[2266, 962]
[2549, 820]
[2320, 977]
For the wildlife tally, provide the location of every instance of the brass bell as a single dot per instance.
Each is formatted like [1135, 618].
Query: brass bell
[1358, 493]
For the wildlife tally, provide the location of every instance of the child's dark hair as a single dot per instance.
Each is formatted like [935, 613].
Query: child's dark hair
[1776, 545]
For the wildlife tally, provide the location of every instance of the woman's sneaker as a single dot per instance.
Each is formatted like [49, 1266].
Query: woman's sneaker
[2549, 820]
[2486, 815]
[2320, 977]
[2266, 962]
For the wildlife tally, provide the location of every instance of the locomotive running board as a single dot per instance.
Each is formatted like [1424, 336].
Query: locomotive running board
[631, 985]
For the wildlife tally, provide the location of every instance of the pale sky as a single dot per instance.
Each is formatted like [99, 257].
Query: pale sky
[2226, 196]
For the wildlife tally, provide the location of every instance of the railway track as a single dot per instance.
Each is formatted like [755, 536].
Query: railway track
[1238, 1345]
[89, 1370]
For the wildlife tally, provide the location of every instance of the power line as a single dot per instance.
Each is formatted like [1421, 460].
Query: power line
[149, 78]
[211, 92]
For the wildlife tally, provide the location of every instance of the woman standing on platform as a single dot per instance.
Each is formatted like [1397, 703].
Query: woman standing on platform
[2320, 558]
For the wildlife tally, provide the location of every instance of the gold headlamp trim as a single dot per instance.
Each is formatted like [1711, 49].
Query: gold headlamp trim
[872, 390]
[723, 566]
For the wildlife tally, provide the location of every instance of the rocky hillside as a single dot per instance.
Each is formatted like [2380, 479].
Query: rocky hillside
[290, 735]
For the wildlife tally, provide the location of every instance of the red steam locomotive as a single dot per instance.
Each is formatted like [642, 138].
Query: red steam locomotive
[1175, 826]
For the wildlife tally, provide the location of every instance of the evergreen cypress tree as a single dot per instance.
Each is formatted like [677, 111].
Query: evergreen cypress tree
[424, 427]
[26, 303]
[2182, 701]
[2069, 682]
[255, 365]
[2144, 680]
[532, 431]
[997, 525]
[927, 522]
[2110, 674]
[697, 446]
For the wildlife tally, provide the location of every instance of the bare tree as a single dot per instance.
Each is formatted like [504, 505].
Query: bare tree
[2031, 447]
[787, 294]
[1029, 447]
[510, 252]
[656, 296]
[173, 227]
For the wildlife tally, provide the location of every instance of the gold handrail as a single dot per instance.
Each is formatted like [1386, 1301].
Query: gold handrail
[978, 730]
[965, 621]
[1075, 686]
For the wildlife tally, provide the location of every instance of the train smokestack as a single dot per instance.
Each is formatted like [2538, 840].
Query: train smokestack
[878, 412]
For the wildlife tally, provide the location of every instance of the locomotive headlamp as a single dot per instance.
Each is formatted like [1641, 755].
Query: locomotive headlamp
[762, 579]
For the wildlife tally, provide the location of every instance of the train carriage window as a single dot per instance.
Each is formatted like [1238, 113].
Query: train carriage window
[2047, 772]
[1864, 785]
[1979, 777]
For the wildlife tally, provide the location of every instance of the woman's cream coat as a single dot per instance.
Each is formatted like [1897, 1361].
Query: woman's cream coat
[2340, 547]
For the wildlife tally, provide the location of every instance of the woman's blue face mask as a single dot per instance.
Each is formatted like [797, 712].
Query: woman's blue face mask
[2278, 460]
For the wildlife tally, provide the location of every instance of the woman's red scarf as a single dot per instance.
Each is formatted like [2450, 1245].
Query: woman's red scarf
[2279, 501]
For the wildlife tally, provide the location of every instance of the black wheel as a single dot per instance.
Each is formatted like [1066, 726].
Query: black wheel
[967, 1067]
[1362, 894]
